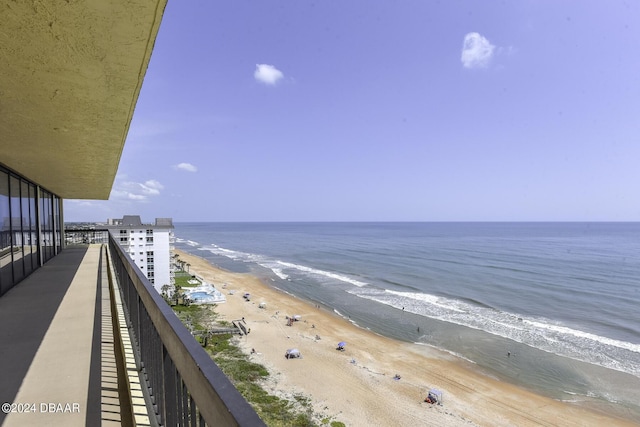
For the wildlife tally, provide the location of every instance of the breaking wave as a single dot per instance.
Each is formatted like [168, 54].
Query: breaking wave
[282, 269]
[544, 334]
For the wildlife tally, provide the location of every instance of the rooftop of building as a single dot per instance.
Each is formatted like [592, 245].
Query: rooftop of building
[134, 221]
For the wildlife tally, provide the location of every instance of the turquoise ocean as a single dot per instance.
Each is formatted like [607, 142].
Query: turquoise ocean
[552, 307]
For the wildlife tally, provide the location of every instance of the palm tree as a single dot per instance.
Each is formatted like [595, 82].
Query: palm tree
[165, 292]
[177, 294]
[188, 265]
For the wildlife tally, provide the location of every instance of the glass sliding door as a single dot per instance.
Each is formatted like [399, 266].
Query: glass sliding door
[16, 229]
[26, 228]
[6, 260]
[46, 238]
[33, 228]
[30, 225]
[57, 224]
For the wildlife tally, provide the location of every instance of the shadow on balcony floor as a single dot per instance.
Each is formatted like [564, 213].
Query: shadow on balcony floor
[50, 333]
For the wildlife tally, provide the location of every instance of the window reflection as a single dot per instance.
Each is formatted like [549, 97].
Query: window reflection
[16, 229]
[6, 273]
[26, 227]
[33, 228]
[30, 225]
[57, 224]
[45, 219]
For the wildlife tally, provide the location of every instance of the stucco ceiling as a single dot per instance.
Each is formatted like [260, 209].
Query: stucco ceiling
[70, 75]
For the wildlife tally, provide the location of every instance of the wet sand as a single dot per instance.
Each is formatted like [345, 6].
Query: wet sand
[357, 385]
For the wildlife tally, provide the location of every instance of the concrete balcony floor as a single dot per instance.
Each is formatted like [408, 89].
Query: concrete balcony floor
[57, 360]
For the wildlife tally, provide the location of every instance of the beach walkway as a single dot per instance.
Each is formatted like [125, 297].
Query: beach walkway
[57, 360]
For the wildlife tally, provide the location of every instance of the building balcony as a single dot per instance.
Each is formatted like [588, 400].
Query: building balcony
[88, 341]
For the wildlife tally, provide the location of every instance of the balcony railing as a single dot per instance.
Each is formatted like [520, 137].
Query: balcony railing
[185, 387]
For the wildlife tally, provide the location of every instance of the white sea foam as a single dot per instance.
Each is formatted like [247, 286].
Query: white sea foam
[278, 272]
[216, 250]
[563, 330]
[433, 300]
[453, 353]
[540, 333]
[315, 271]
[279, 268]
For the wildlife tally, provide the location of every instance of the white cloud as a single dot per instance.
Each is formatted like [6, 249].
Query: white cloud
[186, 167]
[267, 74]
[81, 203]
[152, 187]
[137, 191]
[126, 195]
[477, 51]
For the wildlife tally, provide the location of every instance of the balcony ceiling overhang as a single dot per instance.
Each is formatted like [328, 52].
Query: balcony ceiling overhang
[70, 76]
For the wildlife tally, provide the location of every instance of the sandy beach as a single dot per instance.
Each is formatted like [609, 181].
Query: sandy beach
[357, 385]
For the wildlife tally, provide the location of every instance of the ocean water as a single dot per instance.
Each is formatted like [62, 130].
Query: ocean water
[553, 307]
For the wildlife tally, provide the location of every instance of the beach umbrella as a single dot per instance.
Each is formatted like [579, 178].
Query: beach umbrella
[435, 396]
[292, 353]
[342, 344]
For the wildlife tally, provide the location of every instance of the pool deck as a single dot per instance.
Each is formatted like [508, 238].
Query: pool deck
[214, 296]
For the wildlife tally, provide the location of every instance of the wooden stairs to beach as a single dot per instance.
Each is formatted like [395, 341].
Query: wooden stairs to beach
[205, 335]
[224, 331]
[241, 325]
[239, 328]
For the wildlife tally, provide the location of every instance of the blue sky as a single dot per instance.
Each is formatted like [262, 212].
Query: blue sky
[385, 111]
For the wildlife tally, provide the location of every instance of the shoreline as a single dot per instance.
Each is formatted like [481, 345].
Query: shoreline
[365, 392]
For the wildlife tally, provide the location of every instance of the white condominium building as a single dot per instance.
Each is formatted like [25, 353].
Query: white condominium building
[150, 246]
